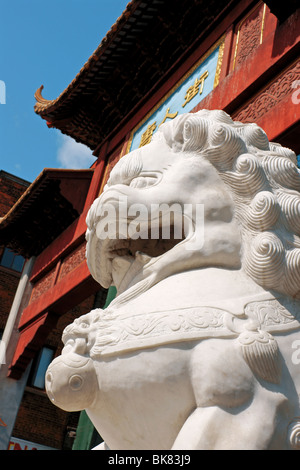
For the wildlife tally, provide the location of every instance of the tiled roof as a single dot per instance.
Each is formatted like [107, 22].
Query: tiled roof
[141, 49]
[45, 209]
[74, 87]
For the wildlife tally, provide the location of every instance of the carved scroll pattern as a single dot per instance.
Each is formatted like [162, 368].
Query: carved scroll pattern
[124, 333]
[42, 285]
[72, 261]
[276, 91]
[272, 315]
[249, 35]
[159, 328]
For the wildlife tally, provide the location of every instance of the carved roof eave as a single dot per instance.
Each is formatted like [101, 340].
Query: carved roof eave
[153, 35]
[43, 105]
[23, 225]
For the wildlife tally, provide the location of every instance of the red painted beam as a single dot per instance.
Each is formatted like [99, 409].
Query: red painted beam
[68, 292]
[74, 234]
[97, 178]
[70, 237]
[279, 119]
[30, 341]
[278, 50]
[40, 317]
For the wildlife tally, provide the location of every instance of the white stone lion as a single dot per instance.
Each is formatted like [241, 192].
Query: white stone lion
[199, 350]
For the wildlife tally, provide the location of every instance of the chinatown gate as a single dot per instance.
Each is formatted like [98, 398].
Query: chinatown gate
[159, 59]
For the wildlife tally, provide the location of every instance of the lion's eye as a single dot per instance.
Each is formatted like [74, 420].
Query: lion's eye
[142, 181]
[138, 183]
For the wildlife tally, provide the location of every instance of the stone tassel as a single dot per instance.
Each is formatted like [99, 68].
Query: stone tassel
[260, 351]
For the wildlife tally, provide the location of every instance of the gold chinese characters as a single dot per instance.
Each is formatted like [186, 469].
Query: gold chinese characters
[191, 92]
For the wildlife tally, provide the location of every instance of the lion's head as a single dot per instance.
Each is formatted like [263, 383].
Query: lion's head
[247, 186]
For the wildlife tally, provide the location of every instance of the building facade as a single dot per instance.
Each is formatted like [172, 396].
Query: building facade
[37, 425]
[159, 59]
[11, 264]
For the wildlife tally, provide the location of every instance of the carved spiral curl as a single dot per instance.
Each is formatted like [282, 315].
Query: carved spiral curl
[195, 133]
[256, 137]
[294, 434]
[248, 177]
[172, 132]
[263, 211]
[283, 151]
[291, 280]
[215, 115]
[264, 261]
[224, 145]
[283, 171]
[290, 205]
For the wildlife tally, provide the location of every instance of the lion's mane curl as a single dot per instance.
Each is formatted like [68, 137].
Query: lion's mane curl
[264, 181]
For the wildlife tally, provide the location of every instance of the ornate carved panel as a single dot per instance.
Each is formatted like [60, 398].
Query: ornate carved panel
[273, 93]
[72, 261]
[42, 285]
[64, 267]
[249, 34]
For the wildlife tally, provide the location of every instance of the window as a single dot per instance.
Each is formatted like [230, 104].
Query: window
[2, 351]
[12, 260]
[39, 367]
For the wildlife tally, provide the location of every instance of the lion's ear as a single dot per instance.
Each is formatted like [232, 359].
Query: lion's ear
[195, 134]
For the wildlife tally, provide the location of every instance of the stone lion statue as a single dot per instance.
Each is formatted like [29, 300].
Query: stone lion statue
[200, 349]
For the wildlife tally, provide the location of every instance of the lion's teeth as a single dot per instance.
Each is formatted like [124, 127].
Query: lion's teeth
[142, 257]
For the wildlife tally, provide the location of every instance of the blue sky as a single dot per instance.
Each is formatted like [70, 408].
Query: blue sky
[44, 43]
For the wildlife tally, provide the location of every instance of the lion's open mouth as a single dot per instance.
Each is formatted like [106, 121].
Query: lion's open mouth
[152, 248]
[125, 258]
